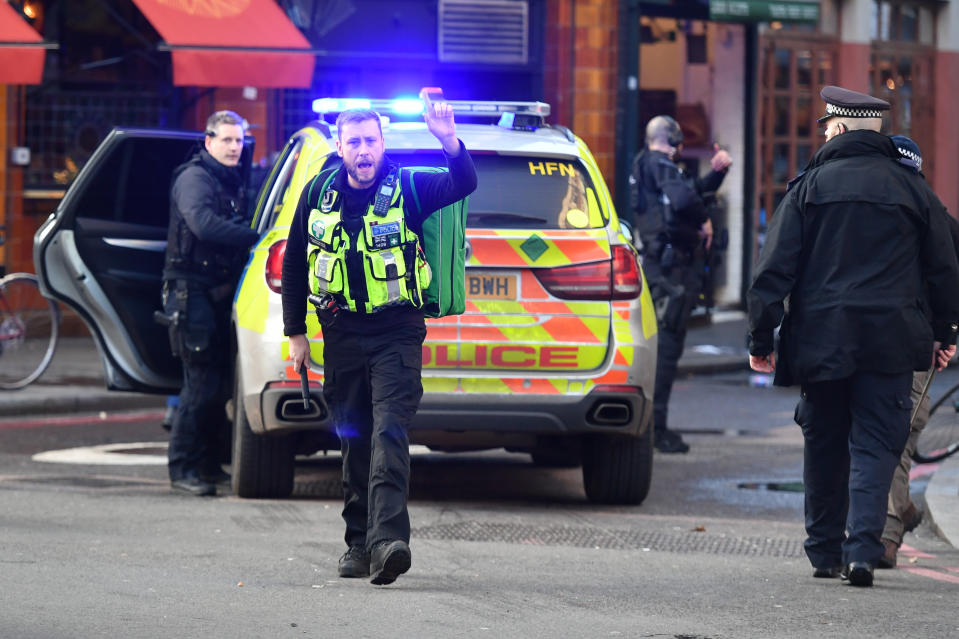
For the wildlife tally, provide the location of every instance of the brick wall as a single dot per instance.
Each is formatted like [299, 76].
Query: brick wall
[580, 73]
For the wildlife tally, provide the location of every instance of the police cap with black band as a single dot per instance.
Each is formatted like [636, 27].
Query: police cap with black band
[844, 103]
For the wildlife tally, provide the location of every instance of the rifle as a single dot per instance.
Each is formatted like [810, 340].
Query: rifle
[713, 256]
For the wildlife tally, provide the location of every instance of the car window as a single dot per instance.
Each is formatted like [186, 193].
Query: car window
[516, 191]
[133, 182]
[277, 185]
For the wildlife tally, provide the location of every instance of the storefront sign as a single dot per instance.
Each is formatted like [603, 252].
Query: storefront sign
[764, 11]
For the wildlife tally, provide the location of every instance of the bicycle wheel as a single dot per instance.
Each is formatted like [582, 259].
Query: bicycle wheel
[29, 328]
[940, 437]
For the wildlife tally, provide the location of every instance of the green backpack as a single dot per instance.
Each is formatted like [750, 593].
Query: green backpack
[444, 242]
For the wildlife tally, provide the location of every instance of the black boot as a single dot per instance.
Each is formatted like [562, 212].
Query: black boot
[666, 441]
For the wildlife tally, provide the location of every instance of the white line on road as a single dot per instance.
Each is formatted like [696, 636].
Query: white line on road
[106, 454]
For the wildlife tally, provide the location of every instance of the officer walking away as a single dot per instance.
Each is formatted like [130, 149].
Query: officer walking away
[207, 243]
[354, 249]
[675, 230]
[902, 515]
[851, 244]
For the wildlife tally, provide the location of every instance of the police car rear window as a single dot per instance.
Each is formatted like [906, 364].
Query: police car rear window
[524, 192]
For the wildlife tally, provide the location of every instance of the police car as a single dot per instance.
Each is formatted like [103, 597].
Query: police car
[554, 356]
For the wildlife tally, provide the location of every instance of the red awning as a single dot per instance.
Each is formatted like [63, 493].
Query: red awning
[231, 43]
[21, 49]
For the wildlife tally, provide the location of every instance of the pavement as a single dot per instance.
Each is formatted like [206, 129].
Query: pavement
[75, 383]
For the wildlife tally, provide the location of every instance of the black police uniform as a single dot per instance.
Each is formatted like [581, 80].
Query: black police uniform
[670, 211]
[850, 245]
[371, 362]
[207, 242]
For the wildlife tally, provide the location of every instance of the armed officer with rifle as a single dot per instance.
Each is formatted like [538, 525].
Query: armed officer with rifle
[673, 222]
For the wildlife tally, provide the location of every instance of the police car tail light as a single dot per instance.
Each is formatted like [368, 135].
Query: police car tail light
[627, 282]
[617, 278]
[580, 282]
[274, 266]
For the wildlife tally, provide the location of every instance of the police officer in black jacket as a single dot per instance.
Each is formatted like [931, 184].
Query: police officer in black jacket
[851, 245]
[372, 356]
[902, 515]
[207, 242]
[674, 227]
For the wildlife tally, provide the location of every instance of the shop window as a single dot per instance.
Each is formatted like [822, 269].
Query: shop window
[781, 114]
[902, 69]
[794, 66]
[897, 20]
[782, 59]
[804, 117]
[804, 68]
[803, 154]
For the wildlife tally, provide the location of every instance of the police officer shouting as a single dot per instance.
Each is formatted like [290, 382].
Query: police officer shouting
[347, 226]
[851, 245]
[674, 226]
[207, 242]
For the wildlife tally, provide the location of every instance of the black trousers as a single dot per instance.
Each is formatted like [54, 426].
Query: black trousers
[197, 435]
[855, 430]
[372, 385]
[684, 282]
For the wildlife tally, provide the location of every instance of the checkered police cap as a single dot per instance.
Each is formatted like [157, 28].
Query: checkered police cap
[850, 104]
[908, 150]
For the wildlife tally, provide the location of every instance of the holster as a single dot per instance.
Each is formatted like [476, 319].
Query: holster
[327, 308]
[667, 258]
[669, 301]
[174, 320]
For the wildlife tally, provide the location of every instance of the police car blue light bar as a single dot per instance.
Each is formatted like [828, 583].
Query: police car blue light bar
[406, 106]
[335, 105]
[412, 106]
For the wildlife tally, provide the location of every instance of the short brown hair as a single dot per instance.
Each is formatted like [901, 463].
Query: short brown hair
[223, 117]
[355, 116]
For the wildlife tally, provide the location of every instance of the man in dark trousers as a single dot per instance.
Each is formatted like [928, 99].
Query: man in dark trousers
[354, 245]
[207, 241]
[674, 227]
[902, 515]
[851, 245]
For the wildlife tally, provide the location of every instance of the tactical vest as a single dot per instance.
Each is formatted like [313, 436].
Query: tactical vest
[394, 267]
[653, 211]
[186, 255]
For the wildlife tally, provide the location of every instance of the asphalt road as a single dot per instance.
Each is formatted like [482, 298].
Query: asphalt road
[501, 548]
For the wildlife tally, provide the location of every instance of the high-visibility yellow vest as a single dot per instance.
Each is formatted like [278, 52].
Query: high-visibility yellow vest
[394, 266]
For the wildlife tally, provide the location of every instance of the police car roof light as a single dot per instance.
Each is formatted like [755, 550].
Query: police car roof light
[404, 106]
[520, 121]
[335, 105]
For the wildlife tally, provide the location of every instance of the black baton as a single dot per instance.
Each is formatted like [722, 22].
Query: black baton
[305, 386]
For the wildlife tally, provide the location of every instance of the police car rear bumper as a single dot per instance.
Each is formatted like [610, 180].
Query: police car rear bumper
[626, 410]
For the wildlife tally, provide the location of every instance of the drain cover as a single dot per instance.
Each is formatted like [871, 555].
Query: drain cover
[779, 486]
[628, 539]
